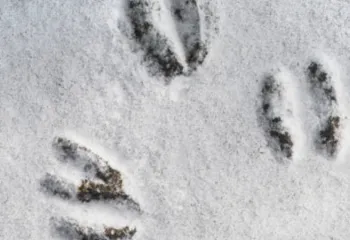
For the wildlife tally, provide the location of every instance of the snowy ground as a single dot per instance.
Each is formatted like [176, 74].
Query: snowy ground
[192, 152]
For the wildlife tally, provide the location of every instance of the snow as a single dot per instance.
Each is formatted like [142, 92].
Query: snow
[192, 153]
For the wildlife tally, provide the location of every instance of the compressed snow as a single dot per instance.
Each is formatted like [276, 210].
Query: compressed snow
[192, 153]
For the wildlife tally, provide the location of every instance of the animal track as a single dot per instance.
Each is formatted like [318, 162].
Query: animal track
[323, 90]
[159, 53]
[69, 229]
[187, 18]
[278, 115]
[102, 183]
[275, 124]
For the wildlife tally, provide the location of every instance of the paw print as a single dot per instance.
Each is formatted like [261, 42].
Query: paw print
[102, 183]
[280, 116]
[165, 55]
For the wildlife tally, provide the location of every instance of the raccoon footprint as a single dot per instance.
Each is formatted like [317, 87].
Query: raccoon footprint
[159, 51]
[102, 183]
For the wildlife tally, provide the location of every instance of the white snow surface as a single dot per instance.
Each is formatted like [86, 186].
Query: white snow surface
[192, 153]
